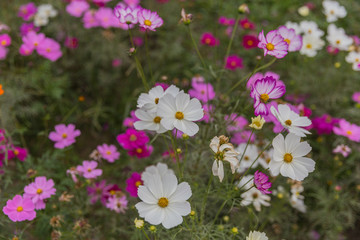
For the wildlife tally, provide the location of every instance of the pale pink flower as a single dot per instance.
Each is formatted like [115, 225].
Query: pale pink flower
[88, 169]
[49, 49]
[108, 152]
[39, 190]
[64, 135]
[291, 38]
[351, 131]
[117, 204]
[343, 149]
[149, 20]
[77, 8]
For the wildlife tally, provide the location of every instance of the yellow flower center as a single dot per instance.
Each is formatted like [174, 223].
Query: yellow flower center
[19, 209]
[348, 132]
[246, 158]
[108, 152]
[332, 12]
[246, 25]
[16, 152]
[138, 183]
[338, 42]
[270, 46]
[36, 44]
[133, 137]
[157, 119]
[147, 23]
[39, 191]
[89, 169]
[64, 135]
[309, 46]
[207, 40]
[288, 158]
[112, 192]
[264, 97]
[287, 40]
[250, 42]
[163, 202]
[139, 150]
[3, 42]
[255, 195]
[280, 195]
[48, 50]
[233, 63]
[156, 100]
[179, 115]
[288, 122]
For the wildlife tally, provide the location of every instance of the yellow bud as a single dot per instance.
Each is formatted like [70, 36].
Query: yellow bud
[304, 11]
[192, 213]
[226, 218]
[139, 223]
[234, 230]
[337, 64]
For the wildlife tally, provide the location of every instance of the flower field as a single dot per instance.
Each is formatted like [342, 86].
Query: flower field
[179, 119]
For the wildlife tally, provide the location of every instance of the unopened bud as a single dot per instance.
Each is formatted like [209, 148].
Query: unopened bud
[243, 8]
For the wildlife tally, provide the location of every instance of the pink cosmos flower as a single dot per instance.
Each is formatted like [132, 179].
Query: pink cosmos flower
[27, 11]
[246, 24]
[101, 3]
[294, 41]
[25, 50]
[197, 79]
[132, 3]
[343, 149]
[20, 209]
[33, 40]
[117, 204]
[64, 135]
[233, 62]
[242, 137]
[132, 139]
[332, 50]
[108, 152]
[149, 20]
[235, 122]
[138, 41]
[88, 169]
[3, 52]
[25, 28]
[106, 18]
[99, 191]
[171, 155]
[116, 62]
[250, 41]
[18, 152]
[127, 15]
[39, 190]
[226, 21]
[141, 151]
[71, 42]
[263, 90]
[351, 131]
[324, 124]
[5, 40]
[356, 97]
[257, 76]
[133, 183]
[50, 49]
[273, 44]
[89, 19]
[129, 121]
[208, 111]
[114, 190]
[77, 8]
[202, 91]
[209, 39]
[261, 182]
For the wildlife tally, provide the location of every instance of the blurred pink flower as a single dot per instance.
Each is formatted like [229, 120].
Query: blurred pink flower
[235, 122]
[356, 97]
[99, 191]
[351, 131]
[18, 152]
[208, 111]
[106, 18]
[133, 183]
[343, 149]
[209, 39]
[226, 21]
[132, 139]
[149, 20]
[246, 24]
[108, 152]
[129, 121]
[117, 204]
[5, 40]
[88, 169]
[3, 52]
[20, 209]
[71, 42]
[250, 41]
[77, 8]
[89, 19]
[64, 135]
[141, 151]
[39, 190]
[233, 62]
[324, 124]
[49, 49]
[26, 11]
[293, 40]
[202, 91]
[25, 28]
[242, 137]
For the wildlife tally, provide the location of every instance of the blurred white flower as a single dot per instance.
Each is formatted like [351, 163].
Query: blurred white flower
[254, 235]
[256, 198]
[46, 10]
[298, 204]
[311, 28]
[249, 156]
[148, 121]
[354, 58]
[294, 26]
[333, 10]
[338, 38]
[311, 44]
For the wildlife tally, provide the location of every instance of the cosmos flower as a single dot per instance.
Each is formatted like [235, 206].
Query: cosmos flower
[209, 39]
[273, 44]
[158, 169]
[256, 198]
[18, 152]
[294, 41]
[132, 139]
[246, 24]
[49, 49]
[64, 135]
[255, 235]
[39, 190]
[108, 152]
[27, 11]
[333, 10]
[20, 209]
[261, 182]
[77, 8]
[250, 41]
[248, 156]
[356, 97]
[133, 183]
[88, 169]
[337, 38]
[99, 191]
[233, 62]
[343, 149]
[349, 130]
[202, 91]
[148, 121]
[311, 44]
[149, 20]
[127, 15]
[143, 151]
[117, 204]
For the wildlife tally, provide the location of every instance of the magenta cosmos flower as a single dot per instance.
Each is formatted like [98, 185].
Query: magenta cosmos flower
[89, 19]
[263, 90]
[129, 121]
[5, 40]
[226, 21]
[273, 44]
[291, 38]
[18, 152]
[141, 151]
[324, 124]
[242, 137]
[208, 113]
[233, 62]
[202, 91]
[77, 8]
[32, 41]
[106, 18]
[133, 183]
[108, 152]
[209, 39]
[27, 11]
[99, 191]
[25, 28]
[246, 24]
[262, 183]
[20, 209]
[250, 41]
[351, 131]
[132, 139]
[149, 20]
[64, 135]
[39, 190]
[88, 169]
[356, 97]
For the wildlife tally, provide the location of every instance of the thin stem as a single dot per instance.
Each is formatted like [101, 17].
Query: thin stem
[173, 143]
[195, 46]
[219, 211]
[205, 199]
[147, 55]
[147, 237]
[247, 144]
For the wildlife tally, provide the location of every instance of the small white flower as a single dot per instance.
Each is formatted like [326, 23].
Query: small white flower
[160, 169]
[291, 120]
[149, 101]
[311, 28]
[304, 11]
[164, 201]
[249, 156]
[180, 112]
[254, 235]
[338, 38]
[224, 151]
[40, 20]
[46, 10]
[311, 44]
[288, 158]
[333, 10]
[298, 204]
[353, 57]
[148, 121]
[255, 197]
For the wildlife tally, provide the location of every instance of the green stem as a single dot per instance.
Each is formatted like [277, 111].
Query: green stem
[205, 199]
[219, 211]
[195, 46]
[147, 55]
[174, 146]
[147, 237]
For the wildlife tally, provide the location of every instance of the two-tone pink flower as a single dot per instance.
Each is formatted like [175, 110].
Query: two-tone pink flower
[149, 20]
[273, 44]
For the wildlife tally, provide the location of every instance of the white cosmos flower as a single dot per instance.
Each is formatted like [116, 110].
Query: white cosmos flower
[180, 112]
[224, 151]
[288, 158]
[160, 169]
[291, 120]
[255, 197]
[354, 58]
[294, 26]
[46, 10]
[163, 200]
[40, 20]
[249, 156]
[338, 38]
[257, 236]
[148, 121]
[149, 101]
[311, 44]
[298, 204]
[311, 28]
[333, 10]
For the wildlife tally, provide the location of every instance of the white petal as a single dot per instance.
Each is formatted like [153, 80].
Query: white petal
[170, 183]
[275, 167]
[215, 168]
[168, 123]
[155, 185]
[182, 100]
[182, 208]
[302, 149]
[182, 193]
[146, 196]
[221, 171]
[155, 216]
[279, 143]
[291, 142]
[287, 171]
[308, 163]
[171, 219]
[194, 111]
[167, 106]
[187, 127]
